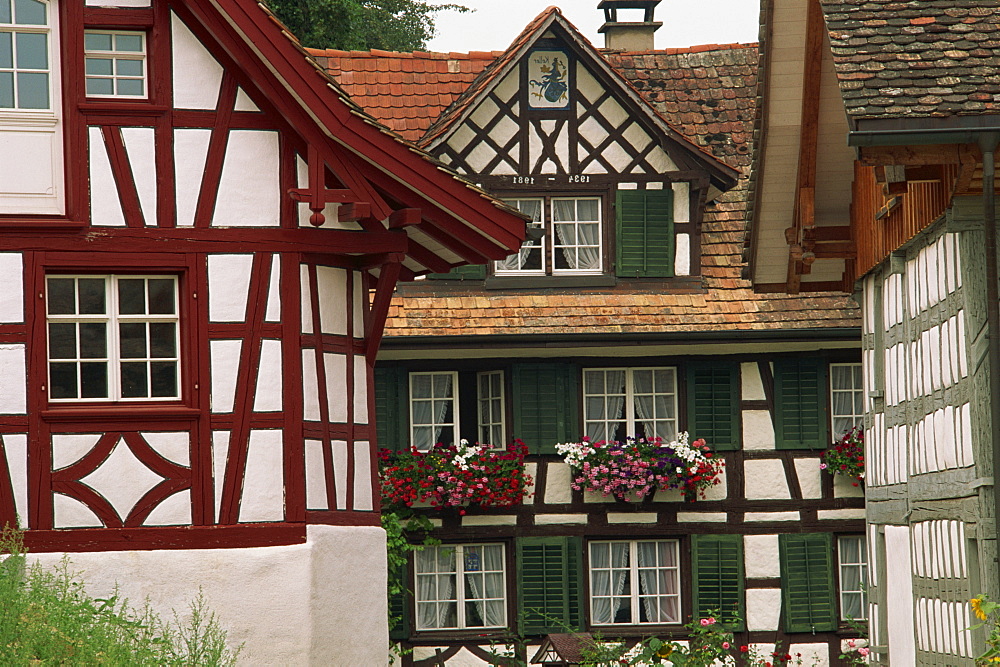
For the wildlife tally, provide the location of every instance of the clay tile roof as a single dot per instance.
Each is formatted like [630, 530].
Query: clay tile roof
[708, 94]
[910, 59]
[406, 92]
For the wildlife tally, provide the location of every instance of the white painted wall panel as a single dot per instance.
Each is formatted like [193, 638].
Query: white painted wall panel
[340, 472]
[12, 294]
[336, 386]
[68, 448]
[228, 287]
[173, 511]
[761, 556]
[35, 185]
[197, 74]
[899, 592]
[173, 446]
[315, 476]
[765, 479]
[269, 378]
[122, 479]
[140, 146]
[273, 313]
[306, 302]
[105, 204]
[220, 454]
[249, 197]
[360, 390]
[15, 446]
[310, 386]
[682, 255]
[358, 303]
[758, 430]
[13, 380]
[332, 284]
[70, 513]
[763, 609]
[363, 500]
[190, 155]
[264, 487]
[225, 360]
[244, 103]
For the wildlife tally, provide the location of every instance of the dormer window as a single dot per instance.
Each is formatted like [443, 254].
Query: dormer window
[573, 240]
[115, 63]
[24, 55]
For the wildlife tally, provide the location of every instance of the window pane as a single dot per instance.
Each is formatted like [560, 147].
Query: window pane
[32, 90]
[162, 341]
[92, 296]
[99, 66]
[134, 380]
[32, 50]
[100, 87]
[126, 67]
[62, 381]
[421, 387]
[94, 380]
[29, 12]
[62, 299]
[442, 386]
[97, 41]
[130, 43]
[587, 209]
[164, 378]
[132, 338]
[6, 90]
[62, 341]
[6, 49]
[93, 340]
[132, 297]
[131, 87]
[5, 16]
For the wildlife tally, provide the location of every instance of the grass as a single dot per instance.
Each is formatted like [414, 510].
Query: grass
[47, 618]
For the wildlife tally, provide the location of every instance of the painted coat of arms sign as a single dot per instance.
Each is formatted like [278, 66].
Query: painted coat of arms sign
[548, 80]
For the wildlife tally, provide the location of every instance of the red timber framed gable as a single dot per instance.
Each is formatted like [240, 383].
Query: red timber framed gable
[283, 218]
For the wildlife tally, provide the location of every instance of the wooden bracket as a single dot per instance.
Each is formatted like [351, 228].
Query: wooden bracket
[384, 288]
[317, 195]
[405, 217]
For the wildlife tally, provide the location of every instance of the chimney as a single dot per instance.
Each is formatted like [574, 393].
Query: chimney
[624, 35]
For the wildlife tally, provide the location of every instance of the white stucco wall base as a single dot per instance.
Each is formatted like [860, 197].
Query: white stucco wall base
[318, 603]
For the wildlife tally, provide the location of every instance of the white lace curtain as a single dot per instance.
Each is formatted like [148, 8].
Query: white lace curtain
[515, 262]
[436, 601]
[609, 563]
[577, 226]
[486, 582]
[428, 414]
[605, 391]
[653, 409]
[658, 582]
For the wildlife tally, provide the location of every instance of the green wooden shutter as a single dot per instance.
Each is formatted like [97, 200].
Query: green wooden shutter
[808, 596]
[717, 561]
[391, 401]
[550, 583]
[713, 397]
[400, 609]
[800, 415]
[546, 405]
[645, 233]
[467, 272]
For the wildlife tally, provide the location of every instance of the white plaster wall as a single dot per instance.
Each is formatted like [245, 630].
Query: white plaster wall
[682, 201]
[761, 555]
[140, 146]
[310, 386]
[197, 74]
[340, 472]
[68, 448]
[814, 655]
[16, 448]
[332, 287]
[557, 484]
[173, 511]
[899, 592]
[122, 479]
[70, 513]
[263, 485]
[360, 390]
[269, 385]
[13, 387]
[220, 454]
[682, 255]
[765, 479]
[763, 609]
[105, 205]
[305, 604]
[336, 384]
[810, 477]
[273, 312]
[12, 295]
[753, 387]
[315, 476]
[190, 155]
[249, 197]
[244, 103]
[758, 430]
[363, 476]
[225, 360]
[228, 287]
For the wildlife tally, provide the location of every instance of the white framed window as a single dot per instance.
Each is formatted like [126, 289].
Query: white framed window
[573, 243]
[115, 62]
[635, 582]
[576, 235]
[853, 564]
[113, 337]
[25, 55]
[433, 408]
[623, 402]
[489, 395]
[530, 259]
[847, 398]
[461, 586]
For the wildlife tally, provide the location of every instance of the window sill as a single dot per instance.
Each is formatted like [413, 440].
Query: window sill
[533, 282]
[123, 411]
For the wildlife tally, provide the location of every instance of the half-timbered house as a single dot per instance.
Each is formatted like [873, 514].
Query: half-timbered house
[200, 237]
[889, 140]
[625, 316]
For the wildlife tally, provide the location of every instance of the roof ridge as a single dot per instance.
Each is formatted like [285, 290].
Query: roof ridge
[673, 51]
[430, 55]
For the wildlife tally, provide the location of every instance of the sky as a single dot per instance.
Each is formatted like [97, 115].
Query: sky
[495, 23]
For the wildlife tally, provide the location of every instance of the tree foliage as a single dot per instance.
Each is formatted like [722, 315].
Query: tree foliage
[391, 25]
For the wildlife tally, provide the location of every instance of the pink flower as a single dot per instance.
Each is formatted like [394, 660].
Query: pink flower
[725, 644]
[850, 642]
[863, 650]
[822, 466]
[708, 621]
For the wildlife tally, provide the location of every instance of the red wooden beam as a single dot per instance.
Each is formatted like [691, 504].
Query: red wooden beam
[386, 285]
